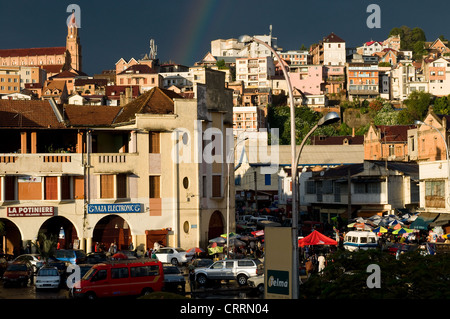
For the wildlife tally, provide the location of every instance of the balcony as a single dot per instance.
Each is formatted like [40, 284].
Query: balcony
[43, 163]
[114, 162]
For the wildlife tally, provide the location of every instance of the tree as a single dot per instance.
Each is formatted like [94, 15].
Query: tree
[442, 105]
[46, 245]
[417, 105]
[411, 39]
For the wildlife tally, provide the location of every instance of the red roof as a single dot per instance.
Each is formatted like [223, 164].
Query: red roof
[316, 238]
[28, 113]
[372, 42]
[32, 51]
[332, 38]
[394, 133]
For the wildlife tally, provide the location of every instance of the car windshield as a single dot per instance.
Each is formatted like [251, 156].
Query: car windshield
[180, 250]
[64, 254]
[16, 267]
[48, 272]
[171, 270]
[89, 274]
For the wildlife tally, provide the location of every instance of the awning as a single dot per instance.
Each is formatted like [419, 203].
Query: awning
[423, 221]
[441, 220]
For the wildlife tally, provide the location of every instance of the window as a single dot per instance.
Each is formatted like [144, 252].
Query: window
[154, 142]
[205, 187]
[119, 273]
[65, 187]
[217, 186]
[121, 186]
[367, 188]
[51, 188]
[154, 187]
[10, 188]
[310, 187]
[107, 186]
[143, 271]
[435, 194]
[267, 179]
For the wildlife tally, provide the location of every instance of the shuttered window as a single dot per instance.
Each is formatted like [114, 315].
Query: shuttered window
[10, 187]
[51, 188]
[65, 187]
[107, 186]
[155, 187]
[217, 186]
[122, 186]
[154, 144]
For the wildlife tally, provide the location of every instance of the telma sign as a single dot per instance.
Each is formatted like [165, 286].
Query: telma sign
[278, 282]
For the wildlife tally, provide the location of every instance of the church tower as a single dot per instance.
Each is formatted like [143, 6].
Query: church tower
[73, 45]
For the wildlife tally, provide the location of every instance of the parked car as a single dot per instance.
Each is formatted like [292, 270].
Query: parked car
[129, 253]
[240, 270]
[120, 278]
[201, 262]
[257, 283]
[34, 259]
[73, 256]
[174, 280]
[4, 262]
[174, 256]
[59, 264]
[20, 272]
[48, 277]
[96, 258]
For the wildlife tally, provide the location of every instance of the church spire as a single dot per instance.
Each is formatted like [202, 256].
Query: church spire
[73, 46]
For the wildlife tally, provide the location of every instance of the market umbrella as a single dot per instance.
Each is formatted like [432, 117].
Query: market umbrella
[218, 240]
[236, 242]
[195, 250]
[258, 233]
[248, 238]
[380, 229]
[316, 238]
[230, 235]
[402, 231]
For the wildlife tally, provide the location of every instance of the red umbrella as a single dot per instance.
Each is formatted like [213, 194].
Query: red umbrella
[316, 238]
[195, 250]
[119, 256]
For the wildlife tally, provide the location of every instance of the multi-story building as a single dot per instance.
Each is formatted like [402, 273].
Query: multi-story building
[296, 57]
[370, 47]
[255, 72]
[9, 80]
[133, 174]
[405, 79]
[334, 52]
[363, 189]
[437, 73]
[142, 75]
[248, 118]
[387, 142]
[362, 80]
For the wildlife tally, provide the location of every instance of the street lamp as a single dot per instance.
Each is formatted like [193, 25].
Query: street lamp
[417, 122]
[230, 160]
[247, 38]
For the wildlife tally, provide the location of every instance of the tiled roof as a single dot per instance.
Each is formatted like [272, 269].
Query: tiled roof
[64, 74]
[88, 115]
[337, 140]
[52, 68]
[32, 52]
[100, 82]
[116, 90]
[332, 38]
[394, 133]
[27, 113]
[154, 101]
[138, 68]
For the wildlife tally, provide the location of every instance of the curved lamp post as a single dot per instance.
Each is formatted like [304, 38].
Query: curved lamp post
[417, 122]
[247, 38]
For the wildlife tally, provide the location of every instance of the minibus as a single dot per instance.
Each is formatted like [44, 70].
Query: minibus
[120, 278]
[355, 240]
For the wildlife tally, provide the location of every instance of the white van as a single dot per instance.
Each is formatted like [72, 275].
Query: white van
[355, 240]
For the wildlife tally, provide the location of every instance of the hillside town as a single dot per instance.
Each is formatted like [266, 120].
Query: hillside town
[157, 153]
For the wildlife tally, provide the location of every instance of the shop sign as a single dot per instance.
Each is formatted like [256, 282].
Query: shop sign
[114, 208]
[278, 282]
[31, 211]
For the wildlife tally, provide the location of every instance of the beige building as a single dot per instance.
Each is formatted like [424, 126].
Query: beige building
[134, 174]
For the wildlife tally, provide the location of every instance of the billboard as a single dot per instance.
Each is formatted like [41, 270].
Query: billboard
[278, 262]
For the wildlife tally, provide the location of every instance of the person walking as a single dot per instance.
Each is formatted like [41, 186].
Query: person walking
[322, 263]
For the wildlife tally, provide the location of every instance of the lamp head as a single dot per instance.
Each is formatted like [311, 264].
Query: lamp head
[245, 38]
[329, 118]
[417, 122]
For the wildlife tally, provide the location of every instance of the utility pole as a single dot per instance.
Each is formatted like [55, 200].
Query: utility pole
[256, 190]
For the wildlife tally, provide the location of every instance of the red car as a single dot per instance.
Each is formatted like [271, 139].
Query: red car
[18, 273]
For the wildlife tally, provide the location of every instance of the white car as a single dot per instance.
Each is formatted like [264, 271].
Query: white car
[174, 256]
[257, 283]
[48, 277]
[240, 270]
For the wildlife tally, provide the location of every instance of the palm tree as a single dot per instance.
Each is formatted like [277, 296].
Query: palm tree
[46, 245]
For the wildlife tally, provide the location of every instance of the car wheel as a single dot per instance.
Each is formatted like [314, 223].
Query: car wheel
[201, 279]
[146, 291]
[174, 261]
[242, 280]
[260, 288]
[91, 296]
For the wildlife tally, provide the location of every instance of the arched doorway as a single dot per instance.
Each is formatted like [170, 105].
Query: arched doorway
[112, 229]
[62, 229]
[215, 228]
[11, 239]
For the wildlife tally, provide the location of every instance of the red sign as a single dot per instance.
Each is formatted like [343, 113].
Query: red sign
[33, 211]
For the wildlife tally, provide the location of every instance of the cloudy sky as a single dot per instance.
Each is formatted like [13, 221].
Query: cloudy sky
[183, 29]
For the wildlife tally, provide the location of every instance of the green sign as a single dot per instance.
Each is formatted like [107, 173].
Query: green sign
[278, 282]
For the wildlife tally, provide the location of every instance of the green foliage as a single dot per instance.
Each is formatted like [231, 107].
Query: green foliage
[411, 40]
[442, 105]
[412, 276]
[221, 64]
[417, 105]
[46, 245]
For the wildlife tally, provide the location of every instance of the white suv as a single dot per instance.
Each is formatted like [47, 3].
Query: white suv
[173, 255]
[238, 269]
